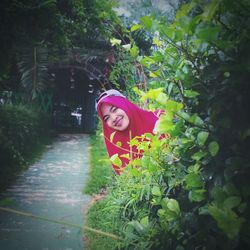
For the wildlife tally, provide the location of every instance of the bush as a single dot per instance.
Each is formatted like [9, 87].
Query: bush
[191, 190]
[22, 132]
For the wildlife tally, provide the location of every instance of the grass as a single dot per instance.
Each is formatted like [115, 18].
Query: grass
[100, 177]
[100, 167]
[103, 220]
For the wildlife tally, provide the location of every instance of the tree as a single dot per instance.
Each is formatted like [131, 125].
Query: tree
[34, 30]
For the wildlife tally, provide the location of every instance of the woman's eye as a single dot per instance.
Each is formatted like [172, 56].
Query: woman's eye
[106, 118]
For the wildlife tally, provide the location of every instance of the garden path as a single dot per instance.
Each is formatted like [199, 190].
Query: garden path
[51, 188]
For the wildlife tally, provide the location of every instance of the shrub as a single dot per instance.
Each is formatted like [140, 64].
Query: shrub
[22, 132]
[191, 190]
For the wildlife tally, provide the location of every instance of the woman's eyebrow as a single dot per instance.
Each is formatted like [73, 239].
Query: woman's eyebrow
[111, 108]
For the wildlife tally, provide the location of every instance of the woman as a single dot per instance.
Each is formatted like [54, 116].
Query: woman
[122, 120]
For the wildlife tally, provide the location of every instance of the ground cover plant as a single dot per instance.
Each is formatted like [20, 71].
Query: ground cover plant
[100, 172]
[190, 190]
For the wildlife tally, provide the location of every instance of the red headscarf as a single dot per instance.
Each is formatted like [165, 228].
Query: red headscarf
[140, 122]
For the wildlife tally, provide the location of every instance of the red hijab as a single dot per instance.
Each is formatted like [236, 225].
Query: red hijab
[140, 122]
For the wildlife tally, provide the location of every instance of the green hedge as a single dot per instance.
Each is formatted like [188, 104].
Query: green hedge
[22, 132]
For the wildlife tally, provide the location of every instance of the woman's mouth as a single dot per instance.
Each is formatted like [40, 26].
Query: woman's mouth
[118, 123]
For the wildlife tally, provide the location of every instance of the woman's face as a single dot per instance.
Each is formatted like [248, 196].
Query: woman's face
[114, 117]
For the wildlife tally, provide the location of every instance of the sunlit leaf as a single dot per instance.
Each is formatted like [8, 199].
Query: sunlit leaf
[173, 205]
[147, 22]
[135, 27]
[173, 106]
[115, 41]
[162, 98]
[127, 47]
[156, 191]
[134, 51]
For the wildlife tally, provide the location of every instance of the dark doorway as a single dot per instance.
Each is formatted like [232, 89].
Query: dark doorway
[73, 101]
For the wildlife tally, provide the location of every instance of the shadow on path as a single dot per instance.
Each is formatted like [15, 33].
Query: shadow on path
[51, 188]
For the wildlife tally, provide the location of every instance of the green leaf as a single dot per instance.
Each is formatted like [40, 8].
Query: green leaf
[116, 160]
[173, 206]
[137, 226]
[115, 41]
[135, 27]
[134, 51]
[127, 47]
[190, 93]
[208, 34]
[194, 168]
[198, 155]
[147, 22]
[162, 98]
[185, 8]
[173, 106]
[193, 180]
[242, 207]
[164, 125]
[197, 195]
[227, 220]
[218, 195]
[145, 221]
[153, 94]
[210, 10]
[195, 119]
[202, 137]
[184, 115]
[156, 191]
[231, 202]
[213, 148]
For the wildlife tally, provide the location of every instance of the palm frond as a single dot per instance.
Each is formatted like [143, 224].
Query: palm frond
[33, 65]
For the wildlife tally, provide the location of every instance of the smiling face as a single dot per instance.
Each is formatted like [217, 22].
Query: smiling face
[114, 117]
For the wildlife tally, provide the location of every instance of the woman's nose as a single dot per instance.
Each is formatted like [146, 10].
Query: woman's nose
[113, 117]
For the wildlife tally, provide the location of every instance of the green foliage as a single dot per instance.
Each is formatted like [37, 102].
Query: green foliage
[100, 171]
[22, 131]
[191, 188]
[34, 34]
[106, 220]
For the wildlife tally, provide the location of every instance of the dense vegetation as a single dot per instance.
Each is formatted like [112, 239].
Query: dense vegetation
[100, 171]
[36, 34]
[23, 134]
[191, 189]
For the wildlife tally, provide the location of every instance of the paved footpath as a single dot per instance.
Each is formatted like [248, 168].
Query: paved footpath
[50, 188]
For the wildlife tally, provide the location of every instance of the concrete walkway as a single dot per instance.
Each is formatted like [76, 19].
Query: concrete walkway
[51, 188]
